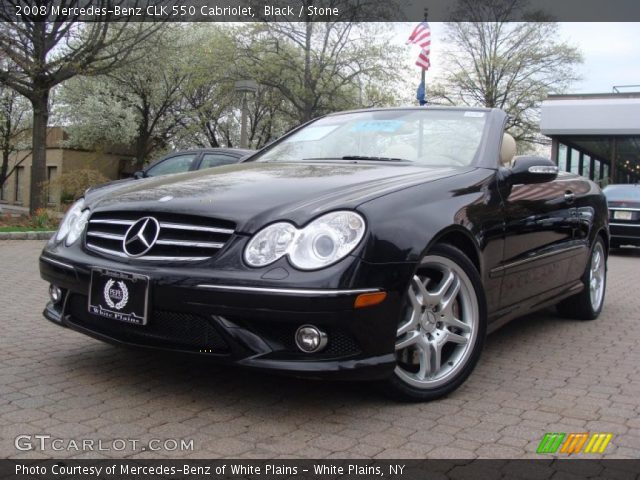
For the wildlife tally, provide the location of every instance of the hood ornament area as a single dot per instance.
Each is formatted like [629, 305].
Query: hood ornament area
[141, 237]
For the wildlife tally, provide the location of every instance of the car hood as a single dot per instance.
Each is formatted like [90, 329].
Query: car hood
[254, 194]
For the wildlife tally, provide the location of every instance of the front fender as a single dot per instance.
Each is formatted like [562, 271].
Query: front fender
[404, 224]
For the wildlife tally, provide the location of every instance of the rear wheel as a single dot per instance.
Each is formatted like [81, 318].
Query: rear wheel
[587, 304]
[442, 328]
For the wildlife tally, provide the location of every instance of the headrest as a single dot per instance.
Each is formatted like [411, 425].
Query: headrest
[507, 150]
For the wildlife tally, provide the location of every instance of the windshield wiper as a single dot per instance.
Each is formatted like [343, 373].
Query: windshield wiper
[383, 159]
[363, 157]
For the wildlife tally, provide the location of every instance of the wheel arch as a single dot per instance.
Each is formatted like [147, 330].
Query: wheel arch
[461, 239]
[605, 238]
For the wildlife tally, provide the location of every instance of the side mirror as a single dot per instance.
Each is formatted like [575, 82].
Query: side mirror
[532, 169]
[139, 174]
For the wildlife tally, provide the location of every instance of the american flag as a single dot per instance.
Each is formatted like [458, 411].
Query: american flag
[421, 36]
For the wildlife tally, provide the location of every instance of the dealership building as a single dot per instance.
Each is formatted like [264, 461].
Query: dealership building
[595, 135]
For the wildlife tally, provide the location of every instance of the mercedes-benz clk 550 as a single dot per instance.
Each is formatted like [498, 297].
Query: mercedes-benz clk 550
[372, 245]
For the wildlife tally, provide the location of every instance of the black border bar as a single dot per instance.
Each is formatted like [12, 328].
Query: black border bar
[574, 468]
[321, 10]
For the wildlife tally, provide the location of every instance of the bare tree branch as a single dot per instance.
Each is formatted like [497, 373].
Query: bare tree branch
[498, 63]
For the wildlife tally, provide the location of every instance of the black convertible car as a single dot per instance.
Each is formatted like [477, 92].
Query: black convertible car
[378, 244]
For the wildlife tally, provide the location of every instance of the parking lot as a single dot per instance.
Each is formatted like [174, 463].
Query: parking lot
[539, 374]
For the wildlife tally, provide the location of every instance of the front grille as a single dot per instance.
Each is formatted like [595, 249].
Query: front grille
[181, 237]
[165, 329]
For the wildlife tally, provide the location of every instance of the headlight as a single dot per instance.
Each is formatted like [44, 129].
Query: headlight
[324, 241]
[73, 224]
[77, 227]
[69, 218]
[269, 244]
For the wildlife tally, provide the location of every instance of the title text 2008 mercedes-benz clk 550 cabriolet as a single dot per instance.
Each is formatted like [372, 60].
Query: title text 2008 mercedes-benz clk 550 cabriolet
[379, 245]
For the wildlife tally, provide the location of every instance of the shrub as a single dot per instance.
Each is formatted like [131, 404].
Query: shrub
[45, 219]
[73, 184]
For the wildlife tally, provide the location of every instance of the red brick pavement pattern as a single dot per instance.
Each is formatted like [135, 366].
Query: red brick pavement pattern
[538, 374]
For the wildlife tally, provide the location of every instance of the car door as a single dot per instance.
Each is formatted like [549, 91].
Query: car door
[179, 163]
[538, 245]
[210, 160]
[585, 215]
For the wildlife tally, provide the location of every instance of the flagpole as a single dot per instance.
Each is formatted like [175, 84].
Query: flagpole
[422, 75]
[421, 36]
[422, 82]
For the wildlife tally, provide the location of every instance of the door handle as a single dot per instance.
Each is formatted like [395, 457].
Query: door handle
[569, 196]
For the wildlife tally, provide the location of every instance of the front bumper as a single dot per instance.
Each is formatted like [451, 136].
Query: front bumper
[626, 233]
[204, 313]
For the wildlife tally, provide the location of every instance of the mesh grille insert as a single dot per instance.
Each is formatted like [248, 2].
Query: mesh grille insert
[173, 330]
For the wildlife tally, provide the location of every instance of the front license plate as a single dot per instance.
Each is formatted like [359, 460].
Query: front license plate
[622, 215]
[119, 296]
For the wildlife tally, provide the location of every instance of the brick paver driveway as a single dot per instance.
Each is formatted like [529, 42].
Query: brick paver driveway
[538, 374]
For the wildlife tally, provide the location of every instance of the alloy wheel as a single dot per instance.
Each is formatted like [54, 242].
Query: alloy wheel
[439, 326]
[597, 276]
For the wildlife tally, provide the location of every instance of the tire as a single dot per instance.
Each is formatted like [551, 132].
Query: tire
[441, 329]
[587, 304]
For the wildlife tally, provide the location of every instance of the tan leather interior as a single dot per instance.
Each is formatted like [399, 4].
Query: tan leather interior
[507, 150]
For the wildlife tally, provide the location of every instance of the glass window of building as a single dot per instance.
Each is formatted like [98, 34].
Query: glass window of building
[52, 196]
[586, 166]
[19, 179]
[575, 161]
[562, 157]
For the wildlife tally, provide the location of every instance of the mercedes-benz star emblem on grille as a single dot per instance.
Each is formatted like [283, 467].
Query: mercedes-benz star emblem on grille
[141, 237]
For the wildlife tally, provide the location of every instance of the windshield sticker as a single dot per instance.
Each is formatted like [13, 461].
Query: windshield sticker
[474, 114]
[388, 126]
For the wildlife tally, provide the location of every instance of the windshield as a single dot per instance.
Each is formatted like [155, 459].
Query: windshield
[423, 136]
[621, 193]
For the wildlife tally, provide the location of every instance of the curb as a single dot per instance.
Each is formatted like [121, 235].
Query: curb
[26, 235]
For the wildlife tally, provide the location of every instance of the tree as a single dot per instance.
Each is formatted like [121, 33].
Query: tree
[15, 123]
[328, 65]
[140, 104]
[211, 114]
[94, 114]
[492, 62]
[42, 54]
[207, 118]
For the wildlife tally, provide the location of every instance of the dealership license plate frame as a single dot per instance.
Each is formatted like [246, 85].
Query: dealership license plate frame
[622, 215]
[138, 315]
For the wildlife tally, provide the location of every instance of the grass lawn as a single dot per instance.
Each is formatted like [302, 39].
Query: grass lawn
[42, 221]
[15, 228]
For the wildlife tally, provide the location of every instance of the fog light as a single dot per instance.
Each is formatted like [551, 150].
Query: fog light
[55, 292]
[310, 339]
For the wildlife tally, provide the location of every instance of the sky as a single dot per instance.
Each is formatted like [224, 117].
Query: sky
[611, 53]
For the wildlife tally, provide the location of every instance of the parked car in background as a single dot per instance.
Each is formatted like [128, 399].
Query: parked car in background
[377, 244]
[181, 162]
[624, 213]
[189, 160]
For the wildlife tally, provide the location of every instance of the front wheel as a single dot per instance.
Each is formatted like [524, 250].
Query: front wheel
[442, 327]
